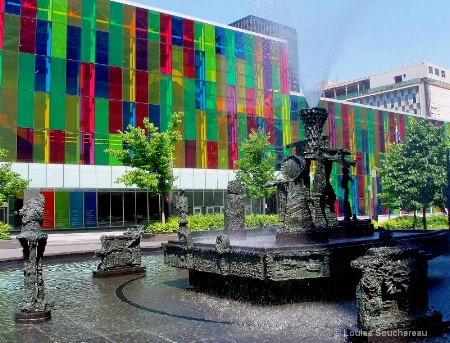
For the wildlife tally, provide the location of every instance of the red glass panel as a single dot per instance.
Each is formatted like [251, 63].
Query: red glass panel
[57, 146]
[284, 70]
[141, 86]
[49, 210]
[87, 79]
[251, 124]
[190, 153]
[115, 116]
[189, 63]
[115, 83]
[141, 113]
[401, 128]
[166, 59]
[213, 155]
[250, 101]
[231, 99]
[2, 6]
[1, 29]
[87, 149]
[268, 104]
[24, 145]
[29, 8]
[232, 155]
[270, 130]
[359, 164]
[87, 114]
[27, 35]
[188, 33]
[166, 28]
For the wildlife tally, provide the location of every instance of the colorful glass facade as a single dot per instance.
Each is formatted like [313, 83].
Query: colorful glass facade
[74, 72]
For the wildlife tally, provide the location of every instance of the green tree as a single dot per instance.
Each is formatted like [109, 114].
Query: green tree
[150, 156]
[413, 176]
[256, 167]
[10, 182]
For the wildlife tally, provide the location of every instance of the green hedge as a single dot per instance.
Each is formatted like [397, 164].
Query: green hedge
[4, 231]
[407, 222]
[201, 222]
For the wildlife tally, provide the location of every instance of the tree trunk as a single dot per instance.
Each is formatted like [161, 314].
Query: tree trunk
[415, 220]
[264, 205]
[424, 217]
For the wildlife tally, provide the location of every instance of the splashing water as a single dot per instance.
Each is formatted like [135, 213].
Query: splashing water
[321, 28]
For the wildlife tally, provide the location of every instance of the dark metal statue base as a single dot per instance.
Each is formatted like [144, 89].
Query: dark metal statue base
[119, 271]
[317, 236]
[34, 317]
[397, 335]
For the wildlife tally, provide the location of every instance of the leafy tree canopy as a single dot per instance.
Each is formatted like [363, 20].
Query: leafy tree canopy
[414, 173]
[11, 182]
[257, 166]
[150, 156]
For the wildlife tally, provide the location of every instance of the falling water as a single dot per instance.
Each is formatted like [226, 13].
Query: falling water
[322, 27]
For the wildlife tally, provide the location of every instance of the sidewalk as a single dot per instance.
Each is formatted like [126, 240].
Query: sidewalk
[73, 245]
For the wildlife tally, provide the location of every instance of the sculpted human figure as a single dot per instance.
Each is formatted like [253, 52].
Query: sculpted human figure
[182, 206]
[344, 185]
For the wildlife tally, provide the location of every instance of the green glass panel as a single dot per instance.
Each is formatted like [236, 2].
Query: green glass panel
[26, 109]
[249, 48]
[211, 126]
[178, 91]
[88, 13]
[129, 21]
[190, 128]
[177, 60]
[154, 89]
[249, 78]
[72, 113]
[75, 11]
[115, 143]
[242, 130]
[44, 9]
[58, 76]
[59, 40]
[101, 143]
[210, 63]
[8, 141]
[286, 126]
[41, 109]
[166, 90]
[8, 115]
[277, 103]
[61, 210]
[115, 18]
[231, 70]
[1, 67]
[223, 155]
[40, 146]
[128, 51]
[101, 115]
[153, 57]
[230, 42]
[210, 38]
[57, 111]
[72, 151]
[88, 45]
[115, 50]
[102, 15]
[199, 36]
[210, 96]
[59, 11]
[10, 69]
[276, 86]
[166, 117]
[189, 94]
[154, 29]
[26, 71]
[11, 32]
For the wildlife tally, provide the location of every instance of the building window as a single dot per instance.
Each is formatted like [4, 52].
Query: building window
[430, 69]
[443, 73]
[398, 79]
[436, 71]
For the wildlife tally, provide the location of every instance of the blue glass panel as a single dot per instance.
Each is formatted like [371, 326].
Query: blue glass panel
[220, 40]
[43, 37]
[101, 47]
[13, 6]
[129, 114]
[240, 44]
[154, 115]
[73, 77]
[278, 132]
[101, 81]
[200, 71]
[76, 209]
[73, 42]
[177, 31]
[90, 209]
[260, 124]
[200, 94]
[42, 74]
[294, 108]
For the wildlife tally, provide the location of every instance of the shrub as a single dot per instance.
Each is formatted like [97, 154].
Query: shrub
[407, 223]
[202, 222]
[4, 231]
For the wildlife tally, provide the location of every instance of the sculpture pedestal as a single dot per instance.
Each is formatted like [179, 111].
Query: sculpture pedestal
[119, 271]
[397, 335]
[304, 237]
[34, 317]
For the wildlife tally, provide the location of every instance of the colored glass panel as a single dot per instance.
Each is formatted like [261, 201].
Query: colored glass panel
[90, 209]
[72, 149]
[101, 143]
[101, 81]
[154, 30]
[59, 40]
[129, 21]
[42, 74]
[74, 12]
[76, 209]
[43, 38]
[72, 113]
[24, 145]
[49, 210]
[115, 18]
[88, 45]
[115, 45]
[57, 146]
[57, 112]
[26, 71]
[28, 35]
[62, 210]
[25, 109]
[58, 76]
[11, 32]
[88, 15]
[101, 47]
[102, 15]
[101, 115]
[44, 10]
[29, 8]
[13, 6]
[73, 42]
[59, 11]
